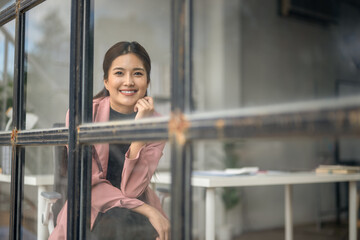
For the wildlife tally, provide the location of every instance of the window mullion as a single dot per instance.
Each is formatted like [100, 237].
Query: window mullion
[75, 118]
[19, 109]
[181, 161]
[86, 153]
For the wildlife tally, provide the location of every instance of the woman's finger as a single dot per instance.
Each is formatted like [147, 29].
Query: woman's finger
[147, 103]
[150, 100]
[144, 104]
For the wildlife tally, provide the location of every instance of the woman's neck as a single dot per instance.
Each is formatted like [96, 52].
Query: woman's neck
[122, 109]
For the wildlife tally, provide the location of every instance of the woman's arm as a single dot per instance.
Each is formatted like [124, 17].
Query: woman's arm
[159, 222]
[144, 108]
[142, 158]
[135, 148]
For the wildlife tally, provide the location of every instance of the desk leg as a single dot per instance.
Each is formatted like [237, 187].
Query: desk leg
[352, 211]
[42, 231]
[288, 213]
[210, 214]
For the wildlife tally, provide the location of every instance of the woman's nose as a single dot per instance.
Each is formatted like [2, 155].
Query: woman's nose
[128, 80]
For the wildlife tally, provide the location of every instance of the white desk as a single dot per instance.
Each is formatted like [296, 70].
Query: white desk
[42, 183]
[275, 178]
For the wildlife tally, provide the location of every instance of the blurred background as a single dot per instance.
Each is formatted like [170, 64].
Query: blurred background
[246, 53]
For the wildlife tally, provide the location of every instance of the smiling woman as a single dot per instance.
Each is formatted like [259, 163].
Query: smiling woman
[122, 203]
[127, 83]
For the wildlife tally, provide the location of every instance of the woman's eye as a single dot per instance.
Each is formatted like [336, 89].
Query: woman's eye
[138, 73]
[118, 73]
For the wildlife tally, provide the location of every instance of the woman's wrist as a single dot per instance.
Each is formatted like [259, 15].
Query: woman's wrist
[135, 148]
[145, 210]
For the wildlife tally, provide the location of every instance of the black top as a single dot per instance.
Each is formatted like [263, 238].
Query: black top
[117, 152]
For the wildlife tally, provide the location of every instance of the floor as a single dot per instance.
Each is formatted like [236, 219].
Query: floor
[329, 231]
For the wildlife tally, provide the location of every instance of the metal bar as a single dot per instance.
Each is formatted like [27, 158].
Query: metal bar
[9, 13]
[188, 97]
[86, 153]
[88, 61]
[311, 118]
[75, 117]
[180, 98]
[19, 109]
[54, 136]
[29, 4]
[5, 138]
[124, 131]
[321, 118]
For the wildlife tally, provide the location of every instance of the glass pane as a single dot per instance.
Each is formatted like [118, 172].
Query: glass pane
[7, 51]
[241, 209]
[6, 93]
[148, 23]
[5, 3]
[40, 165]
[247, 54]
[48, 49]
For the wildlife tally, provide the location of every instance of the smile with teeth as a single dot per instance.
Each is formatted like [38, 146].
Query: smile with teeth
[128, 92]
[123, 91]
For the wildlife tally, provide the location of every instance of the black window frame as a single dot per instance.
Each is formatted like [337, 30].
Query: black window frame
[332, 117]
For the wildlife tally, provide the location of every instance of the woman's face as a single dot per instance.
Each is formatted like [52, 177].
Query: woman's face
[126, 83]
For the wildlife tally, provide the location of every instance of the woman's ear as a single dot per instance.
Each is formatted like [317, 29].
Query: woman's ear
[106, 82]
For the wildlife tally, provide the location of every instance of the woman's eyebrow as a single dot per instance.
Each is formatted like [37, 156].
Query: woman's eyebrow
[137, 69]
[118, 68]
[134, 69]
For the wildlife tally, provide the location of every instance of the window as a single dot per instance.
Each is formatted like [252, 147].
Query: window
[215, 82]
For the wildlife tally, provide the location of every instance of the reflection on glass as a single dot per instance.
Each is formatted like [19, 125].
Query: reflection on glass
[6, 83]
[6, 73]
[41, 168]
[48, 48]
[135, 21]
[5, 3]
[247, 54]
[4, 207]
[273, 157]
[6, 90]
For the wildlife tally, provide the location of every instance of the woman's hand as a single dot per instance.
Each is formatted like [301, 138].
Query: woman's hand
[161, 225]
[157, 220]
[144, 107]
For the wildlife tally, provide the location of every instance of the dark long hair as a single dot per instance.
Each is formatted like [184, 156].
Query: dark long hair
[122, 48]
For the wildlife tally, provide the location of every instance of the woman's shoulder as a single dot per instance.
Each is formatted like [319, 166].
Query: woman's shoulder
[100, 101]
[101, 108]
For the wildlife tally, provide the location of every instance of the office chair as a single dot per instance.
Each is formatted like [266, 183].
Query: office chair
[56, 199]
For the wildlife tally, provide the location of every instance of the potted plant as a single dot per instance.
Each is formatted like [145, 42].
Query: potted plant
[231, 195]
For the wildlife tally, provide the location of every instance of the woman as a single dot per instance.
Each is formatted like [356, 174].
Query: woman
[122, 204]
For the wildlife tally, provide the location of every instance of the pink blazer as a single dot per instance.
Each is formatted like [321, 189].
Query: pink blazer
[136, 176]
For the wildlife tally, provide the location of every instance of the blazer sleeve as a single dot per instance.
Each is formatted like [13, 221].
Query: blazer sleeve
[137, 172]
